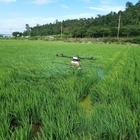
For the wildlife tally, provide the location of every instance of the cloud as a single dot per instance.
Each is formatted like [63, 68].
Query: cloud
[64, 6]
[40, 2]
[87, 1]
[18, 24]
[107, 8]
[7, 1]
[97, 8]
[15, 14]
[77, 16]
[8, 26]
[106, 2]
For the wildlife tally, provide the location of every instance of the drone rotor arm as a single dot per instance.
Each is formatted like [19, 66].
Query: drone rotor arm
[88, 58]
[62, 55]
[77, 57]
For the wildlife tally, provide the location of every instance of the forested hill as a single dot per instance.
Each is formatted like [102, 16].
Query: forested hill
[100, 26]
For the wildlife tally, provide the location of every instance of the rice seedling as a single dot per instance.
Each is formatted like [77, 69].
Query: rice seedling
[40, 100]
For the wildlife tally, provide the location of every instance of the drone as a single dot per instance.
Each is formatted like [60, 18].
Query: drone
[75, 62]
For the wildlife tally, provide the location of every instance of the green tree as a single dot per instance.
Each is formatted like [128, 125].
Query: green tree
[128, 5]
[28, 29]
[17, 34]
[101, 25]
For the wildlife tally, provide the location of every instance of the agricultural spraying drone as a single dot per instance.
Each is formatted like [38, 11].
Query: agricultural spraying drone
[75, 60]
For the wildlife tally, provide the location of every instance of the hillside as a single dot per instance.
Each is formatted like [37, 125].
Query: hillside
[100, 26]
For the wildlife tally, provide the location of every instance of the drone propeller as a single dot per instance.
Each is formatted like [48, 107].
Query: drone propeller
[88, 58]
[62, 55]
[78, 57]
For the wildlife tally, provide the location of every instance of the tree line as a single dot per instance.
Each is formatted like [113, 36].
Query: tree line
[121, 24]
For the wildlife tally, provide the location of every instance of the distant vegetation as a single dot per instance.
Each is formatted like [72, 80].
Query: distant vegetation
[100, 26]
[122, 27]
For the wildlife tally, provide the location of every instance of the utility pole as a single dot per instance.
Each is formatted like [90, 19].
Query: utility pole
[119, 23]
[61, 29]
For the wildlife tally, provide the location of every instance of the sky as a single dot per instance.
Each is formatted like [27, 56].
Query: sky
[15, 14]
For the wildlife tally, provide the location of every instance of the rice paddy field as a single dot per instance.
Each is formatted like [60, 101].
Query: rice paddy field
[41, 100]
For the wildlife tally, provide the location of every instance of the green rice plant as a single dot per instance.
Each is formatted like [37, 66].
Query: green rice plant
[40, 100]
[4, 127]
[114, 122]
[21, 132]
